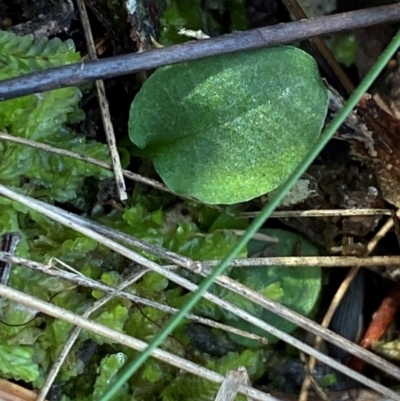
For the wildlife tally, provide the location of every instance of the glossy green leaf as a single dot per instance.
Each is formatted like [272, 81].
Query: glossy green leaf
[298, 287]
[230, 128]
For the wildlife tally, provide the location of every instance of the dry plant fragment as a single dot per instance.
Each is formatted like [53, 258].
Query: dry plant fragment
[230, 386]
[381, 320]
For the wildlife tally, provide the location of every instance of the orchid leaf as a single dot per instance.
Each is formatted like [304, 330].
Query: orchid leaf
[297, 287]
[230, 128]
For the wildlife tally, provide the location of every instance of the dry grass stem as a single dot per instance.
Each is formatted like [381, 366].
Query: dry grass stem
[320, 213]
[103, 105]
[321, 261]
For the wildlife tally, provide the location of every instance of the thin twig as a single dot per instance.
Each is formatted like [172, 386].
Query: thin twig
[380, 234]
[304, 392]
[63, 152]
[104, 109]
[317, 387]
[319, 212]
[76, 74]
[203, 267]
[301, 261]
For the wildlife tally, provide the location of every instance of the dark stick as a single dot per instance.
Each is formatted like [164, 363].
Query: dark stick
[256, 38]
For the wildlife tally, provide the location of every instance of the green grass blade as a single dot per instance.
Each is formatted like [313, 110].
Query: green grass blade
[326, 135]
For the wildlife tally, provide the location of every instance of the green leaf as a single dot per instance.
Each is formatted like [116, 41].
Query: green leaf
[252, 360]
[328, 380]
[390, 349]
[230, 128]
[345, 49]
[114, 318]
[26, 336]
[188, 387]
[17, 362]
[225, 221]
[178, 232]
[211, 17]
[297, 288]
[109, 367]
[152, 371]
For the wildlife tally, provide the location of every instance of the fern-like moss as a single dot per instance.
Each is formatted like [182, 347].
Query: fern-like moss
[43, 117]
